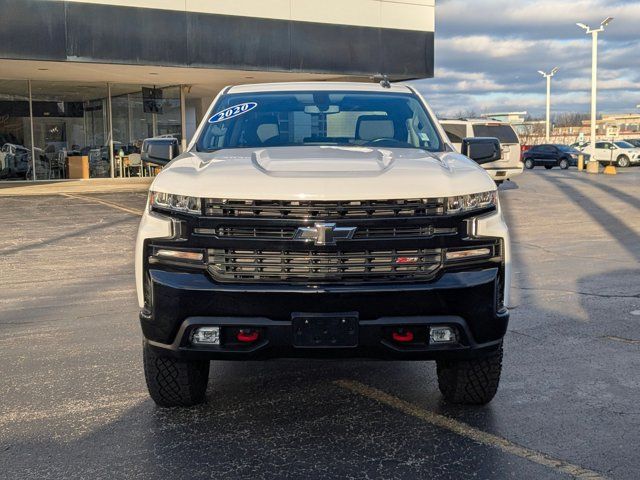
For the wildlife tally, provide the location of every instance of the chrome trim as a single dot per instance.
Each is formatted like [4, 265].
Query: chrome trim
[324, 233]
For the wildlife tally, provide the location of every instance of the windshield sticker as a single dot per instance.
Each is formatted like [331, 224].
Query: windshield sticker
[233, 112]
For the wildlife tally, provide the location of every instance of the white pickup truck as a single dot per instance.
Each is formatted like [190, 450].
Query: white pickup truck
[322, 220]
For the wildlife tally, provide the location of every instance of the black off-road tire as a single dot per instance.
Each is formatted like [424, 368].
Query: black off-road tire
[470, 382]
[623, 161]
[528, 164]
[564, 164]
[172, 382]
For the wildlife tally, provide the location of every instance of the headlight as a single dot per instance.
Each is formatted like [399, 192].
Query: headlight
[574, 156]
[176, 203]
[474, 201]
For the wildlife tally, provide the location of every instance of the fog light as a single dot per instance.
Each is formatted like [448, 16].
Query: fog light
[180, 255]
[206, 336]
[470, 253]
[442, 335]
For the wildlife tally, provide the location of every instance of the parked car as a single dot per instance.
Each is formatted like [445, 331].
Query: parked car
[552, 155]
[15, 162]
[322, 220]
[509, 165]
[622, 153]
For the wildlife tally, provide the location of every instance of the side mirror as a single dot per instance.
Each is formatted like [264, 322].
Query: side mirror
[159, 151]
[482, 149]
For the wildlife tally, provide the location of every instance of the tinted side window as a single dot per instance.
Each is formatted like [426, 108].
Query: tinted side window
[601, 145]
[504, 133]
[455, 132]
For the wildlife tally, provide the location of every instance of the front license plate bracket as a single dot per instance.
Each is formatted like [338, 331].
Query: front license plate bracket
[319, 330]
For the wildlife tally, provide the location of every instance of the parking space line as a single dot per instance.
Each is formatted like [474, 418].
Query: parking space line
[468, 431]
[615, 338]
[133, 211]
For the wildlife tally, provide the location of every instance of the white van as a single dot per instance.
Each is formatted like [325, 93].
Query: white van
[506, 168]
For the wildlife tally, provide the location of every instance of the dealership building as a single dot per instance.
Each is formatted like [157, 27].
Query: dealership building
[91, 79]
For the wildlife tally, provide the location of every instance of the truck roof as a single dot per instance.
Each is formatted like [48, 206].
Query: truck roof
[322, 86]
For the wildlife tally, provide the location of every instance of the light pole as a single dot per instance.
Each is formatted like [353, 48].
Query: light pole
[594, 70]
[548, 77]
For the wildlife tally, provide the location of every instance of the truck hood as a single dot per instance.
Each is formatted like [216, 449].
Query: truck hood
[322, 173]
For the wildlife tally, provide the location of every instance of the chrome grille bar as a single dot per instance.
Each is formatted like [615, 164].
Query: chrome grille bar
[274, 265]
[323, 209]
[287, 233]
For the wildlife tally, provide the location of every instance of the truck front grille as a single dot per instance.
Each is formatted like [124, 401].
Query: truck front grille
[309, 210]
[287, 233]
[341, 266]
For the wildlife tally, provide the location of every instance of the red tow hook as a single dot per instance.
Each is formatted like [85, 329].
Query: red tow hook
[402, 335]
[247, 335]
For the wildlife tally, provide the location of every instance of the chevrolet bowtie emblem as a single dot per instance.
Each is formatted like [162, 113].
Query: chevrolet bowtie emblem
[324, 233]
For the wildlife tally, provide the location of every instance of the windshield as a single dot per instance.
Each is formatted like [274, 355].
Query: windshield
[258, 120]
[623, 145]
[504, 133]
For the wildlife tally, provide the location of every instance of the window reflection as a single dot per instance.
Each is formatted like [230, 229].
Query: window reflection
[141, 112]
[15, 131]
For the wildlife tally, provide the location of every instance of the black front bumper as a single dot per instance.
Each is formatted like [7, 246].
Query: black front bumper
[466, 300]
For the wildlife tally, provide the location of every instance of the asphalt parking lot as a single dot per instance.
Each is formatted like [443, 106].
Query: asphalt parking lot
[74, 402]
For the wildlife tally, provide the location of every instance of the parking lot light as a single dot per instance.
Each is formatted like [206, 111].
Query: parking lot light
[548, 77]
[594, 70]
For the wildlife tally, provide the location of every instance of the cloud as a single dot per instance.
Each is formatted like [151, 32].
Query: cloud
[488, 54]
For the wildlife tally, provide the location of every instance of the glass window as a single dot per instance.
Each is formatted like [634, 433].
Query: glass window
[69, 126]
[15, 131]
[504, 133]
[623, 144]
[139, 112]
[455, 132]
[261, 119]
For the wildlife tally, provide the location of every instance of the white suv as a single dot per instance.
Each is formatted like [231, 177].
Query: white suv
[509, 165]
[621, 153]
[322, 219]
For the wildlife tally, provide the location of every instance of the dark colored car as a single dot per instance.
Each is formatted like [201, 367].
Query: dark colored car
[549, 156]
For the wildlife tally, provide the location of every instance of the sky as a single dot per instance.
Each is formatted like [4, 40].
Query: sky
[488, 53]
